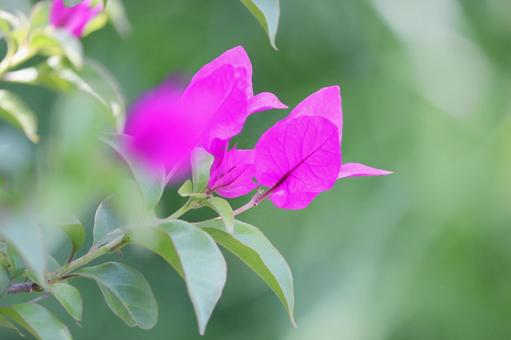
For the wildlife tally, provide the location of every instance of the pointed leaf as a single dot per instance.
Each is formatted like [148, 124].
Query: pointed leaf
[14, 110]
[126, 292]
[6, 323]
[151, 181]
[75, 232]
[196, 257]
[224, 210]
[201, 165]
[69, 297]
[267, 13]
[5, 280]
[26, 237]
[252, 247]
[37, 320]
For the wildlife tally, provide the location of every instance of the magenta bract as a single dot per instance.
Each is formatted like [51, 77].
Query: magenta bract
[300, 156]
[73, 19]
[166, 124]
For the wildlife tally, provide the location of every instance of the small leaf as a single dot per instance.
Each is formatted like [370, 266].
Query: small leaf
[195, 256]
[267, 13]
[252, 247]
[5, 281]
[224, 210]
[6, 323]
[71, 3]
[151, 182]
[26, 237]
[201, 165]
[117, 15]
[38, 321]
[52, 42]
[186, 190]
[75, 232]
[105, 221]
[126, 292]
[69, 297]
[14, 110]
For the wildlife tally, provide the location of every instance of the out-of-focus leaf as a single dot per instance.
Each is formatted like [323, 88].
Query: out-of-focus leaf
[71, 3]
[75, 232]
[201, 165]
[37, 320]
[69, 297]
[26, 237]
[14, 110]
[4, 280]
[151, 181]
[126, 292]
[6, 323]
[105, 221]
[54, 42]
[252, 247]
[224, 210]
[195, 256]
[92, 79]
[117, 15]
[18, 6]
[267, 13]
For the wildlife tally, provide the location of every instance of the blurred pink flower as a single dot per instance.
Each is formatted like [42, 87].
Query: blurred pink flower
[166, 123]
[300, 156]
[73, 19]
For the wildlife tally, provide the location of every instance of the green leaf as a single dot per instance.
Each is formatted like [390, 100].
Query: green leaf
[267, 13]
[195, 256]
[252, 247]
[69, 297]
[55, 42]
[71, 3]
[224, 210]
[105, 222]
[5, 281]
[151, 181]
[186, 190]
[26, 237]
[37, 320]
[6, 323]
[75, 232]
[117, 15]
[201, 165]
[92, 78]
[126, 292]
[14, 110]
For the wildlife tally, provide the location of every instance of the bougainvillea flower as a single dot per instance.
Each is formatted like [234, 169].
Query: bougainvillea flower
[232, 172]
[300, 156]
[166, 124]
[74, 19]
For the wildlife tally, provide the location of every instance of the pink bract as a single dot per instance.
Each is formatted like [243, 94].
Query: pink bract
[300, 157]
[166, 124]
[73, 19]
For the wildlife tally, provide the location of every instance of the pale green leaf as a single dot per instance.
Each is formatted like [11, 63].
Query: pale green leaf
[4, 280]
[106, 221]
[195, 256]
[201, 165]
[37, 320]
[117, 15]
[126, 292]
[186, 190]
[252, 247]
[26, 238]
[267, 13]
[150, 181]
[14, 110]
[224, 210]
[6, 323]
[69, 297]
[53, 42]
[75, 232]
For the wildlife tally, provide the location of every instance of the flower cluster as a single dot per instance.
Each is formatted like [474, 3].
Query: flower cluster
[74, 19]
[295, 160]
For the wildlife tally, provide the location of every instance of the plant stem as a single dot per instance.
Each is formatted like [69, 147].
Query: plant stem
[24, 287]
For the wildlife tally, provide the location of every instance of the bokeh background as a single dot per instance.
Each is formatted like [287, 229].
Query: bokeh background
[422, 254]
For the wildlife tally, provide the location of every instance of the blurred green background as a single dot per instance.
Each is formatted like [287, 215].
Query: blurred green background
[422, 254]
